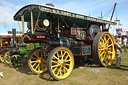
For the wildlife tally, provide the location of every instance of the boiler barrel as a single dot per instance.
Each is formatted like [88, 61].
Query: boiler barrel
[67, 42]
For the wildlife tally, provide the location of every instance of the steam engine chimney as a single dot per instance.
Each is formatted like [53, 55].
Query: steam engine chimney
[14, 37]
[50, 4]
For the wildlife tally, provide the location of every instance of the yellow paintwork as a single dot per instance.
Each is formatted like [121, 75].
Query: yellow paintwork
[62, 63]
[106, 49]
[7, 57]
[2, 57]
[38, 61]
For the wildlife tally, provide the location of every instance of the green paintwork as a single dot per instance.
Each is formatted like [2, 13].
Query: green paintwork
[22, 50]
[24, 44]
[27, 48]
[37, 45]
[30, 46]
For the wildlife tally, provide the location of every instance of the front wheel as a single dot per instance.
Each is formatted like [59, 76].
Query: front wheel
[60, 63]
[37, 61]
[15, 61]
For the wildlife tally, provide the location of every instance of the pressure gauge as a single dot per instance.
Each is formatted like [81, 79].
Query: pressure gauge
[46, 22]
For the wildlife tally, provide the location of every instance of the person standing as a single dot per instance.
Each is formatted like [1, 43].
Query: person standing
[118, 53]
[125, 43]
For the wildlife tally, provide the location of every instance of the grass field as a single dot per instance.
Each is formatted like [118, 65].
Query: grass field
[81, 75]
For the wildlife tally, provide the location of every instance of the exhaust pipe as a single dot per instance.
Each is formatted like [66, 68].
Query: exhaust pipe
[14, 37]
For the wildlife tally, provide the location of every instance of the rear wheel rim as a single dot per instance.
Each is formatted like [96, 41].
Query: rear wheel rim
[106, 49]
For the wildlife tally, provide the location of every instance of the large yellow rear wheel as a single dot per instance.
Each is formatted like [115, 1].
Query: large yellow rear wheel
[60, 63]
[103, 49]
[7, 58]
[37, 61]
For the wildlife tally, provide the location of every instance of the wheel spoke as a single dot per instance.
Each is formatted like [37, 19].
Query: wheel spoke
[102, 39]
[43, 65]
[58, 71]
[102, 58]
[36, 55]
[109, 52]
[39, 68]
[110, 45]
[55, 65]
[102, 53]
[101, 49]
[38, 52]
[66, 57]
[67, 64]
[34, 61]
[65, 68]
[37, 65]
[102, 45]
[67, 60]
[34, 58]
[44, 61]
[56, 57]
[54, 61]
[107, 40]
[63, 56]
[61, 53]
[55, 69]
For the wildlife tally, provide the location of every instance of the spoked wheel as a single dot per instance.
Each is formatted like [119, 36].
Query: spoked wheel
[60, 63]
[15, 61]
[7, 57]
[2, 57]
[37, 61]
[103, 49]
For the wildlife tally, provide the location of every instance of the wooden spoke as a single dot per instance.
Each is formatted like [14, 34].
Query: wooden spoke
[55, 65]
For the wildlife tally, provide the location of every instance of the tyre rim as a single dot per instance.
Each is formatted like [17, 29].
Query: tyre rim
[62, 63]
[2, 57]
[106, 49]
[15, 61]
[38, 61]
[7, 57]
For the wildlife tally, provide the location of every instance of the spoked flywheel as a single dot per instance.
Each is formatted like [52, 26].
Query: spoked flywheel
[15, 61]
[37, 61]
[2, 57]
[103, 49]
[7, 57]
[60, 63]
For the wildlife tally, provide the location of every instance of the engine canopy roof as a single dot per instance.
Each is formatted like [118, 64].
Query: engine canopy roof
[26, 11]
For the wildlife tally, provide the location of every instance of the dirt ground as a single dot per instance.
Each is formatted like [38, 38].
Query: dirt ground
[81, 75]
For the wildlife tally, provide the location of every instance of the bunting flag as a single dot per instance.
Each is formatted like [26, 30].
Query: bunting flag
[120, 24]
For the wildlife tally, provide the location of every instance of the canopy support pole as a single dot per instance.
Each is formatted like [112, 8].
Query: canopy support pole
[22, 18]
[1, 42]
[32, 23]
[58, 28]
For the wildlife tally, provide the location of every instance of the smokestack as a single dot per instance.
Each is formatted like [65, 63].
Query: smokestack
[14, 37]
[50, 4]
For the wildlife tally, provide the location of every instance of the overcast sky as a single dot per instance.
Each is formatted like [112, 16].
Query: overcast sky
[86, 7]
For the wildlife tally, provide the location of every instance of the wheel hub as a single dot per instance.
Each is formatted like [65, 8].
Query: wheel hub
[39, 60]
[62, 63]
